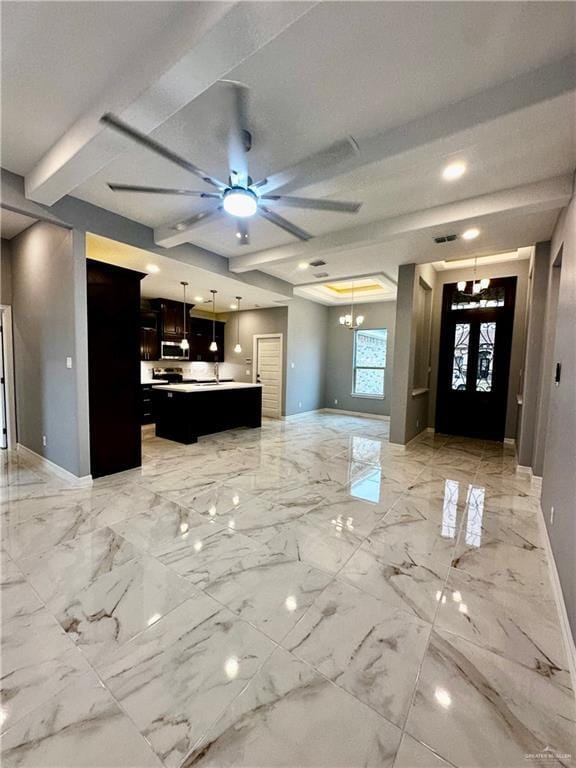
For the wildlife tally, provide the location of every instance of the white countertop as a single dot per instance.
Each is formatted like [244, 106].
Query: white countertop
[153, 381]
[207, 388]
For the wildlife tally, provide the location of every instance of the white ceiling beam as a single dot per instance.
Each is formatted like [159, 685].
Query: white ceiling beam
[548, 194]
[208, 41]
[522, 92]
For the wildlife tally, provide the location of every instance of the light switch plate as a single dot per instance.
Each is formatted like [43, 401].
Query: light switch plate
[68, 362]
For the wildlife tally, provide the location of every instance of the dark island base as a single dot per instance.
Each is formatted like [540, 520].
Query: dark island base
[185, 416]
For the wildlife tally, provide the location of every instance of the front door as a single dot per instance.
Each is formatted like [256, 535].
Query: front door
[474, 363]
[268, 354]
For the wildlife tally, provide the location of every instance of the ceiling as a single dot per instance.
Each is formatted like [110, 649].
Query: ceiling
[418, 85]
[12, 223]
[165, 283]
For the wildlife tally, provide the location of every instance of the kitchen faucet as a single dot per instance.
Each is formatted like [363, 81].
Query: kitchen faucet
[217, 373]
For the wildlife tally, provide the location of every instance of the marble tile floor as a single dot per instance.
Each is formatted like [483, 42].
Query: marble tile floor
[306, 594]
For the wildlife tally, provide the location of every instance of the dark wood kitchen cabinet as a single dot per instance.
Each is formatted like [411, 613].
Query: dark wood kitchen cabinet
[200, 337]
[170, 326]
[113, 295]
[149, 335]
[147, 404]
[171, 316]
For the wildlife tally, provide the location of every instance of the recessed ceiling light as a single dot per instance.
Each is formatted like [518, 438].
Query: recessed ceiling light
[303, 265]
[180, 227]
[454, 171]
[471, 234]
[152, 268]
[198, 298]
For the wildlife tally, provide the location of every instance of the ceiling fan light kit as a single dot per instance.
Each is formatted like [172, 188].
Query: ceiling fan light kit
[241, 197]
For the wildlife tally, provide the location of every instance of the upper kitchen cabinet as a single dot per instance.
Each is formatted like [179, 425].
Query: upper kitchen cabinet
[171, 315]
[114, 367]
[200, 337]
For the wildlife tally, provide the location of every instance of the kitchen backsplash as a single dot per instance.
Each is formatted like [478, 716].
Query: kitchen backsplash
[198, 370]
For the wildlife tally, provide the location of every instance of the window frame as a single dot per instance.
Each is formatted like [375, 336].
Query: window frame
[368, 367]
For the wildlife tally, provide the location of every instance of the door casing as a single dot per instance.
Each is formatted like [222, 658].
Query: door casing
[280, 337]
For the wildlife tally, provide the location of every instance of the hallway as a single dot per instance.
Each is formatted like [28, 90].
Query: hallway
[307, 594]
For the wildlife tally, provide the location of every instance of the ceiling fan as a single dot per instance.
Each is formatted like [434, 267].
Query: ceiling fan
[241, 197]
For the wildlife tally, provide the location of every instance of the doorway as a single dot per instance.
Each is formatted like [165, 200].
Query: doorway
[268, 372]
[474, 361]
[7, 395]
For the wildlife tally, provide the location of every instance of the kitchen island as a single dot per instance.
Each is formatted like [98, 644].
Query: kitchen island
[184, 412]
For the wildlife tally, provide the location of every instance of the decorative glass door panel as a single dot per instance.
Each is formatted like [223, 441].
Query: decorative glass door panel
[474, 360]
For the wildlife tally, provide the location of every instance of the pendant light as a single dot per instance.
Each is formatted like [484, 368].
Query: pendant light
[351, 321]
[478, 286]
[184, 345]
[238, 348]
[213, 345]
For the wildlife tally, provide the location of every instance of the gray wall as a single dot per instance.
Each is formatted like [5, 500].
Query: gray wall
[409, 413]
[534, 349]
[253, 322]
[559, 476]
[5, 273]
[507, 269]
[49, 319]
[306, 361]
[339, 355]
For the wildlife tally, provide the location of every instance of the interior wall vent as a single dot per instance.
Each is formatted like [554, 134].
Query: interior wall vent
[320, 274]
[317, 263]
[445, 238]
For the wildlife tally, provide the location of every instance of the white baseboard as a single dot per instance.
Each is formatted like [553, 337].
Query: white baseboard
[535, 480]
[298, 415]
[55, 469]
[361, 414]
[567, 637]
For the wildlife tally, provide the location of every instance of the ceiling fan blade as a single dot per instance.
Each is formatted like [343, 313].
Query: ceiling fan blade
[242, 232]
[160, 190]
[312, 168]
[283, 223]
[238, 135]
[140, 138]
[320, 205]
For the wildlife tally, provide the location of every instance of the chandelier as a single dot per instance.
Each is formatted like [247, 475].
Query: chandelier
[350, 320]
[478, 286]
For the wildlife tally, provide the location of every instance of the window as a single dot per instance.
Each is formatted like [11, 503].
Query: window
[369, 362]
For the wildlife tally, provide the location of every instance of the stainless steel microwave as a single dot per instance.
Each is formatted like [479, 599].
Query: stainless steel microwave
[171, 350]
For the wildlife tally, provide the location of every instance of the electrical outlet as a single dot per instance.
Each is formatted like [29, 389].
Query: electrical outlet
[292, 365]
[68, 362]
[300, 404]
[44, 441]
[417, 423]
[335, 401]
[551, 515]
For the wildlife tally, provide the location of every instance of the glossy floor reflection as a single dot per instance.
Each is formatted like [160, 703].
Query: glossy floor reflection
[306, 594]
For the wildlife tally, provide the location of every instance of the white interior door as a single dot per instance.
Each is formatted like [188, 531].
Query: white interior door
[268, 372]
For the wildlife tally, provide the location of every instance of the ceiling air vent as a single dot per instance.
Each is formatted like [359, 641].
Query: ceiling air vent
[320, 274]
[445, 238]
[317, 263]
